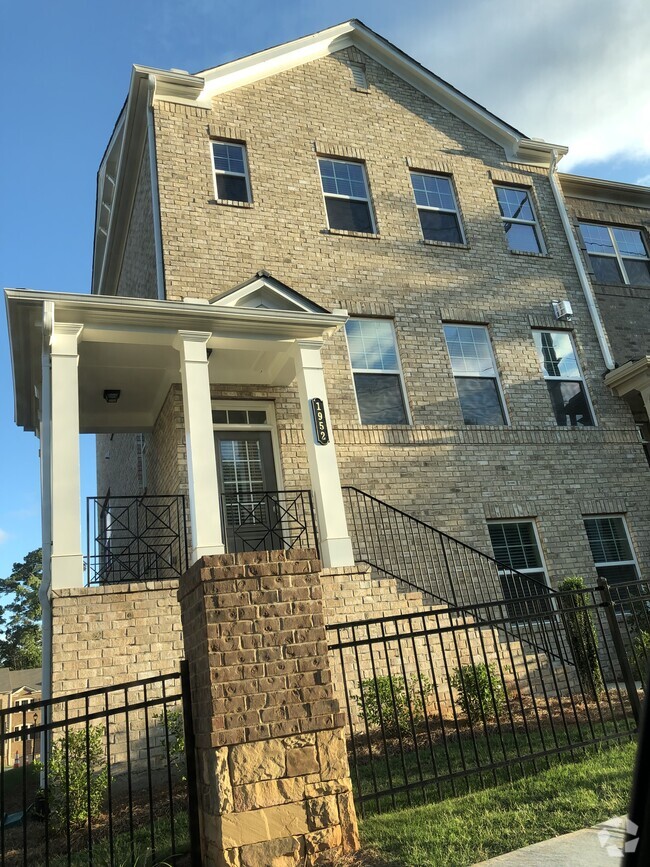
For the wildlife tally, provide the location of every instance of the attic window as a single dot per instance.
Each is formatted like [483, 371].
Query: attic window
[359, 75]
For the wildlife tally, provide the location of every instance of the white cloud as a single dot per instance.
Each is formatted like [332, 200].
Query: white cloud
[574, 72]
[3, 535]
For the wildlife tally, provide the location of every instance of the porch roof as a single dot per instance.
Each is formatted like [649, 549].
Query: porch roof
[129, 344]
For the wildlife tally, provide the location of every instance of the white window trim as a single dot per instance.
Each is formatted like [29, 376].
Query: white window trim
[534, 222]
[617, 255]
[456, 211]
[496, 376]
[633, 562]
[399, 371]
[271, 426]
[540, 550]
[327, 196]
[580, 378]
[216, 171]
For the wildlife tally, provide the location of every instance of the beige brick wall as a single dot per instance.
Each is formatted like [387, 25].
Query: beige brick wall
[138, 273]
[443, 471]
[109, 634]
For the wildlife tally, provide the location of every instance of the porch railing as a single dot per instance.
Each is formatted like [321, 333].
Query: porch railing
[268, 520]
[136, 538]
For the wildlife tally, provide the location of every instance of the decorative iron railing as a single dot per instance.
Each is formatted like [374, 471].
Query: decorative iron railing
[269, 520]
[448, 571]
[136, 538]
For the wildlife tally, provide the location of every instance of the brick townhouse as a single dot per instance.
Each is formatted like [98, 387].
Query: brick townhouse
[322, 266]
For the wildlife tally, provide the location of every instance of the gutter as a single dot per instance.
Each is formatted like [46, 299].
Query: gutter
[587, 289]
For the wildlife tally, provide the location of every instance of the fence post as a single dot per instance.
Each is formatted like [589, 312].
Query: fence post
[619, 647]
[190, 762]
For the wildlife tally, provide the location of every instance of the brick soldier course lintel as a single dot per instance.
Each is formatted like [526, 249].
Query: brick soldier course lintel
[274, 781]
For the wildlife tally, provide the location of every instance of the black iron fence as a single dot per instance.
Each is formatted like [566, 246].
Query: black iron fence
[101, 778]
[136, 538]
[442, 702]
[269, 520]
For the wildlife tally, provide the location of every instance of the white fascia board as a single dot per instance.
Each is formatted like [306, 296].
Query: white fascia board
[258, 66]
[631, 376]
[599, 190]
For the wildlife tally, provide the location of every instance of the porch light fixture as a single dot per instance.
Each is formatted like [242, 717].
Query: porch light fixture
[112, 395]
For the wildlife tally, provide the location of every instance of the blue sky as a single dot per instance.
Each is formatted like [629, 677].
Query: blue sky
[574, 72]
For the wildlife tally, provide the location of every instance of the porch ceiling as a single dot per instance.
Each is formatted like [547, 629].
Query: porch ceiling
[129, 344]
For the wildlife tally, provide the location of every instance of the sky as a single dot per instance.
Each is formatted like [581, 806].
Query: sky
[574, 72]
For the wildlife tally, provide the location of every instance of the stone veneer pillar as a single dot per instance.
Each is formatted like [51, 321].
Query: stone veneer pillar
[274, 781]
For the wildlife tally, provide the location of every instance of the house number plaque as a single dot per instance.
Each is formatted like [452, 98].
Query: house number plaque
[320, 423]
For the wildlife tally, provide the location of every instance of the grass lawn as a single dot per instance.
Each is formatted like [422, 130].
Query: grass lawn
[462, 831]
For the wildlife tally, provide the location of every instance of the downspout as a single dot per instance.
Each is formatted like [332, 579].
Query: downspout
[155, 199]
[590, 298]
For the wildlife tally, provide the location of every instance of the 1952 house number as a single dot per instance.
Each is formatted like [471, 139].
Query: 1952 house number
[320, 423]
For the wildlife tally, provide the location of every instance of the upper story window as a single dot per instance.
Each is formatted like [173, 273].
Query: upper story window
[516, 547]
[519, 220]
[376, 371]
[474, 368]
[559, 361]
[611, 548]
[347, 200]
[617, 255]
[437, 208]
[231, 172]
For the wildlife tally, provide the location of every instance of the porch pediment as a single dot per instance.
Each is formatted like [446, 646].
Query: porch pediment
[264, 292]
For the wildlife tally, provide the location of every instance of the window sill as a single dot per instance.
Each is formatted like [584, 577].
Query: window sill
[230, 203]
[429, 243]
[373, 236]
[530, 255]
[634, 286]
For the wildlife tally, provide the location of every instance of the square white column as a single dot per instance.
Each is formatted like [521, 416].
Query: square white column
[205, 506]
[335, 544]
[66, 567]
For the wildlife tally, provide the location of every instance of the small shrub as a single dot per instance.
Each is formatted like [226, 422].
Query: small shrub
[480, 691]
[641, 647]
[581, 634]
[175, 736]
[77, 777]
[393, 702]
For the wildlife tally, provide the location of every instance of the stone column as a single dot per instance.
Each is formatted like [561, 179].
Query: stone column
[205, 507]
[335, 544]
[63, 466]
[274, 781]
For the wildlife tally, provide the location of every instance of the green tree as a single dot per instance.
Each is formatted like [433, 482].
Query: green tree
[20, 614]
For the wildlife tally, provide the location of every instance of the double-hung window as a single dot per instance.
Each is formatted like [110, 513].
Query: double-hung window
[475, 373]
[437, 208]
[617, 255]
[519, 220]
[231, 172]
[559, 361]
[521, 569]
[376, 371]
[611, 548]
[347, 201]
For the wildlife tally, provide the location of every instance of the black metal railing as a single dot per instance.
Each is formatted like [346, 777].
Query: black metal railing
[440, 703]
[269, 520]
[448, 571]
[101, 777]
[136, 538]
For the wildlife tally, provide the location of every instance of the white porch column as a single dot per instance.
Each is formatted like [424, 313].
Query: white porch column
[205, 507]
[65, 501]
[335, 544]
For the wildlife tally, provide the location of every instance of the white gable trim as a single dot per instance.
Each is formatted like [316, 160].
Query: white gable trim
[263, 64]
[287, 298]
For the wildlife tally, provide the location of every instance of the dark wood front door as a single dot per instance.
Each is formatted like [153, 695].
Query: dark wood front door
[246, 471]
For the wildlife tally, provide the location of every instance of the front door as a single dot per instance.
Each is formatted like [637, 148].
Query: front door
[246, 473]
